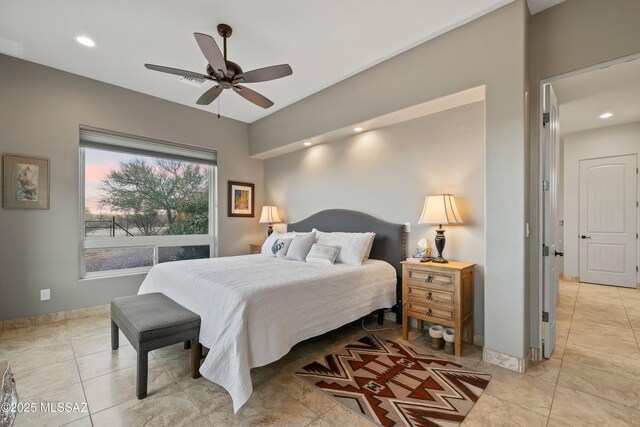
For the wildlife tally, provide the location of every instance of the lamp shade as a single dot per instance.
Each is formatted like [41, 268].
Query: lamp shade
[440, 209]
[269, 215]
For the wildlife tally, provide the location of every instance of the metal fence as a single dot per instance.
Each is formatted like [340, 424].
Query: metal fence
[112, 226]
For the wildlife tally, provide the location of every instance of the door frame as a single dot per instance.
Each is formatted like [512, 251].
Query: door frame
[537, 352]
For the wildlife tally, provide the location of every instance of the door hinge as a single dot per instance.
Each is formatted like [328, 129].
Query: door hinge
[545, 316]
[545, 250]
[545, 185]
[546, 117]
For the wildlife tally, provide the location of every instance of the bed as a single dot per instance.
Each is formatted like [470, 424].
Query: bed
[255, 308]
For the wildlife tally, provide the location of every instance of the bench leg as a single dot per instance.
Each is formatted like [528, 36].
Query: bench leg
[187, 345]
[141, 381]
[196, 351]
[115, 337]
[380, 317]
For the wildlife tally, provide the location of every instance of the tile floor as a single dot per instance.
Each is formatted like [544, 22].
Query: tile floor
[593, 377]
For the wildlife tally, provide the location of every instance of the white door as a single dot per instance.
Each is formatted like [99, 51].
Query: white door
[551, 275]
[608, 199]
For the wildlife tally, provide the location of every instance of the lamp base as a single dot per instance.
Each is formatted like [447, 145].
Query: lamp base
[269, 230]
[440, 241]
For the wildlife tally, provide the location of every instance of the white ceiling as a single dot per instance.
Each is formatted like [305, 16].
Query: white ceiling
[536, 6]
[324, 41]
[584, 97]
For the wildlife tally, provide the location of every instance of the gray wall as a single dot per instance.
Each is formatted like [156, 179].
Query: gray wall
[41, 110]
[388, 173]
[489, 51]
[569, 36]
[604, 142]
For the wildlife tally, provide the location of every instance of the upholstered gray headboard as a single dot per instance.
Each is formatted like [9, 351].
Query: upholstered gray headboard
[388, 245]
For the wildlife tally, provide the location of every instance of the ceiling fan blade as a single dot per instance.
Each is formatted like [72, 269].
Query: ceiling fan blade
[253, 96]
[209, 96]
[176, 71]
[265, 74]
[211, 51]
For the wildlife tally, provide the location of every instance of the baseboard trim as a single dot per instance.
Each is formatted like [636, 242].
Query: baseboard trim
[566, 278]
[516, 364]
[536, 354]
[48, 318]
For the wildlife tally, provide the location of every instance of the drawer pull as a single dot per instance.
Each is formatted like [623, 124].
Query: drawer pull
[429, 296]
[429, 312]
[429, 279]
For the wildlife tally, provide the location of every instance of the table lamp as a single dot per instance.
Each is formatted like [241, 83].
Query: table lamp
[438, 210]
[269, 216]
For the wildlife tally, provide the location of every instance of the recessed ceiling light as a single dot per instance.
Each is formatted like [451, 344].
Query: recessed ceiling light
[358, 129]
[606, 115]
[85, 41]
[307, 143]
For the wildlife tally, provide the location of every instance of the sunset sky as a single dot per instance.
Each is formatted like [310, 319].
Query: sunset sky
[98, 164]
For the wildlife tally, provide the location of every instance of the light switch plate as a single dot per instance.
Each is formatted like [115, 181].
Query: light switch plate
[45, 294]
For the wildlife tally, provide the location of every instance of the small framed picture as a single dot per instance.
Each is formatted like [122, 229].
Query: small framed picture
[25, 182]
[241, 199]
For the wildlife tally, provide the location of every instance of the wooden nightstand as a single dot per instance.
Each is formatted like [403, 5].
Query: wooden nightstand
[255, 248]
[440, 294]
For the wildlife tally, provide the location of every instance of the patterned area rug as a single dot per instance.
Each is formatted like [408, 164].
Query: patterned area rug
[392, 384]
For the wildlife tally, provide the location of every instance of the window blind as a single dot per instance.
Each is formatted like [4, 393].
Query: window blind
[115, 141]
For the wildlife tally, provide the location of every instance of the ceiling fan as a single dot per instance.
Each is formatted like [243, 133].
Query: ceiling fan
[227, 74]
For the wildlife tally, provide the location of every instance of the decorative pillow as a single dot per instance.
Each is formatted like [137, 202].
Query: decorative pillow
[266, 246]
[280, 247]
[300, 246]
[322, 254]
[353, 246]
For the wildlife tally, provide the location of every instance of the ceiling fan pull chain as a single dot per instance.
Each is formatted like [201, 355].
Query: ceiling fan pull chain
[219, 106]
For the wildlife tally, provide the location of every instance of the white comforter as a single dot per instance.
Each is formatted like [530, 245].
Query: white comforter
[254, 308]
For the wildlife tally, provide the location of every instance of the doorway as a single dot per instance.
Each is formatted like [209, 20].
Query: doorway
[590, 148]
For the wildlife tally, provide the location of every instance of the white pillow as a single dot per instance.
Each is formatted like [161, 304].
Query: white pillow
[280, 247]
[321, 254]
[353, 246]
[369, 246]
[266, 246]
[300, 246]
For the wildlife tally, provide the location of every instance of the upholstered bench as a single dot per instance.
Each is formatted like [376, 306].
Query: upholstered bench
[152, 321]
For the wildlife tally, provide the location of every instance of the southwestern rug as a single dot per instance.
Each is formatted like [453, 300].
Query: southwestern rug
[393, 385]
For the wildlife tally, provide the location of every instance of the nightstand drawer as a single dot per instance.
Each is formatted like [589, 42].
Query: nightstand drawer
[430, 313]
[426, 277]
[424, 295]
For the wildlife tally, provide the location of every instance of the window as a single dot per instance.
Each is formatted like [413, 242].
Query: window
[143, 202]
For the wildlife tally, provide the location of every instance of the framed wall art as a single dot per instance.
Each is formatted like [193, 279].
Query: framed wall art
[241, 198]
[25, 182]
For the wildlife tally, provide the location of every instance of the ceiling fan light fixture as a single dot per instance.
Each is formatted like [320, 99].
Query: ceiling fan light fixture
[85, 41]
[225, 73]
[307, 144]
[358, 129]
[606, 115]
